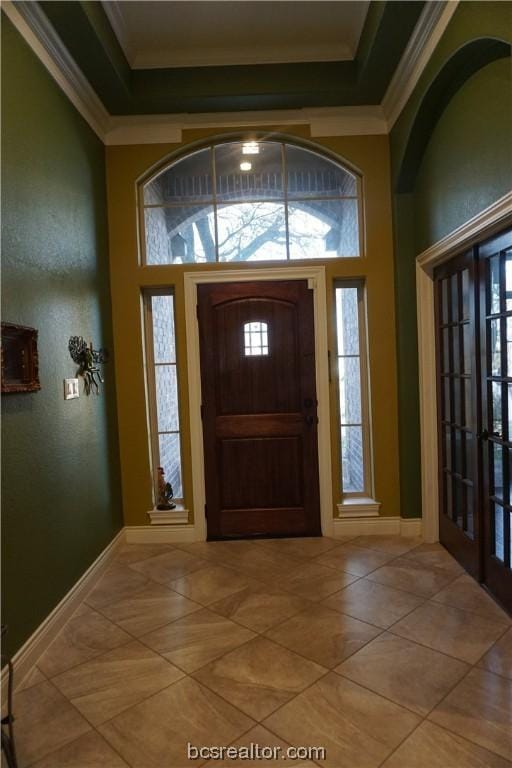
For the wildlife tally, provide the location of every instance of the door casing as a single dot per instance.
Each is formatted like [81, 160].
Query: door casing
[316, 281]
[487, 223]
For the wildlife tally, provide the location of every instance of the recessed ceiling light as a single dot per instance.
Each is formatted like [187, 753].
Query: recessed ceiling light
[250, 148]
[245, 166]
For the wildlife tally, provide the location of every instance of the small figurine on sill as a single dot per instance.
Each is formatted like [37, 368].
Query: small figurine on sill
[165, 492]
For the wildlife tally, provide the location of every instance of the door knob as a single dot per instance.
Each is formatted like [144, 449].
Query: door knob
[485, 434]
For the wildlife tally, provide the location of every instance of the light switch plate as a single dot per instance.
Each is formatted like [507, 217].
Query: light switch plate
[71, 389]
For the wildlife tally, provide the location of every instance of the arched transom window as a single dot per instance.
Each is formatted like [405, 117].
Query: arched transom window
[251, 201]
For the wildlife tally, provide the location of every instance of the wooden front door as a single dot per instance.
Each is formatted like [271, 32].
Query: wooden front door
[259, 409]
[473, 295]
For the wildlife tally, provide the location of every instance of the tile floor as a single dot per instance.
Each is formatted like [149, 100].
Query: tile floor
[379, 649]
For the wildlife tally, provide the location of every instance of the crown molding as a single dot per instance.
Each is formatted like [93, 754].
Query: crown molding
[322, 121]
[31, 22]
[115, 16]
[428, 31]
[490, 220]
[38, 33]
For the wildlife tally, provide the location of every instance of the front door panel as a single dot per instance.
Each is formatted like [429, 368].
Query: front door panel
[259, 409]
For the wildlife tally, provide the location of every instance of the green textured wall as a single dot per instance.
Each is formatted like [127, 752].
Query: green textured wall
[60, 476]
[467, 165]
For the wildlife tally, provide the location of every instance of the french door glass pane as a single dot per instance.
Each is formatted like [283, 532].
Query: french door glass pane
[470, 521]
[497, 465]
[495, 346]
[496, 407]
[509, 390]
[448, 447]
[456, 349]
[494, 285]
[455, 297]
[465, 294]
[508, 280]
[468, 405]
[458, 502]
[446, 399]
[467, 348]
[446, 350]
[499, 533]
[444, 301]
[509, 346]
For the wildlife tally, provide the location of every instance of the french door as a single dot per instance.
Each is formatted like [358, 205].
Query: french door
[473, 306]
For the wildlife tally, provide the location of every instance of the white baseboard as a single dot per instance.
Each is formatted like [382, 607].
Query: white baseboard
[365, 526]
[160, 534]
[30, 652]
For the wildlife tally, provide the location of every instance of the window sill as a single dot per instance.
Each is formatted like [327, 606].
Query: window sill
[358, 506]
[176, 516]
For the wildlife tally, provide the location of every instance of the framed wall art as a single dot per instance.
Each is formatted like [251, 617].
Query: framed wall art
[20, 361]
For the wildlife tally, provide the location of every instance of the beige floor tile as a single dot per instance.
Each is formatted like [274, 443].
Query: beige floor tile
[314, 581]
[480, 709]
[155, 733]
[258, 748]
[34, 677]
[149, 608]
[260, 607]
[358, 728]
[435, 555]
[405, 573]
[373, 602]
[464, 635]
[393, 545]
[85, 636]
[262, 564]
[45, 721]
[89, 751]
[322, 635]
[132, 553]
[433, 747]
[115, 681]
[197, 639]
[307, 547]
[259, 676]
[410, 674]
[209, 550]
[354, 560]
[212, 583]
[498, 659]
[170, 566]
[119, 581]
[467, 594]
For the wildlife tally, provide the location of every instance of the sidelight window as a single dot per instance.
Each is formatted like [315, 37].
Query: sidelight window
[162, 378]
[354, 427]
[251, 201]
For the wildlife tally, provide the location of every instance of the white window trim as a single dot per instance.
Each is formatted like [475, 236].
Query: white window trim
[359, 503]
[152, 419]
[316, 281]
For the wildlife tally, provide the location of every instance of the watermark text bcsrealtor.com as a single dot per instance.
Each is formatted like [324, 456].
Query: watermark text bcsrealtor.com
[254, 751]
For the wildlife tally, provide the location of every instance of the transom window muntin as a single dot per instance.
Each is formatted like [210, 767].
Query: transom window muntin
[255, 339]
[353, 390]
[289, 203]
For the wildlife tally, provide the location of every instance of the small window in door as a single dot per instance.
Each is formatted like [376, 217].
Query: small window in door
[255, 339]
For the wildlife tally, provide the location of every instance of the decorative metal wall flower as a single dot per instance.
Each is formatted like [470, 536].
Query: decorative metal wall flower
[88, 360]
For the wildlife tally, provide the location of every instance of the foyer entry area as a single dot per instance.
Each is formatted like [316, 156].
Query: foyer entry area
[378, 649]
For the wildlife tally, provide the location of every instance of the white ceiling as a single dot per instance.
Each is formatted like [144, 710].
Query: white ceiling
[192, 33]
